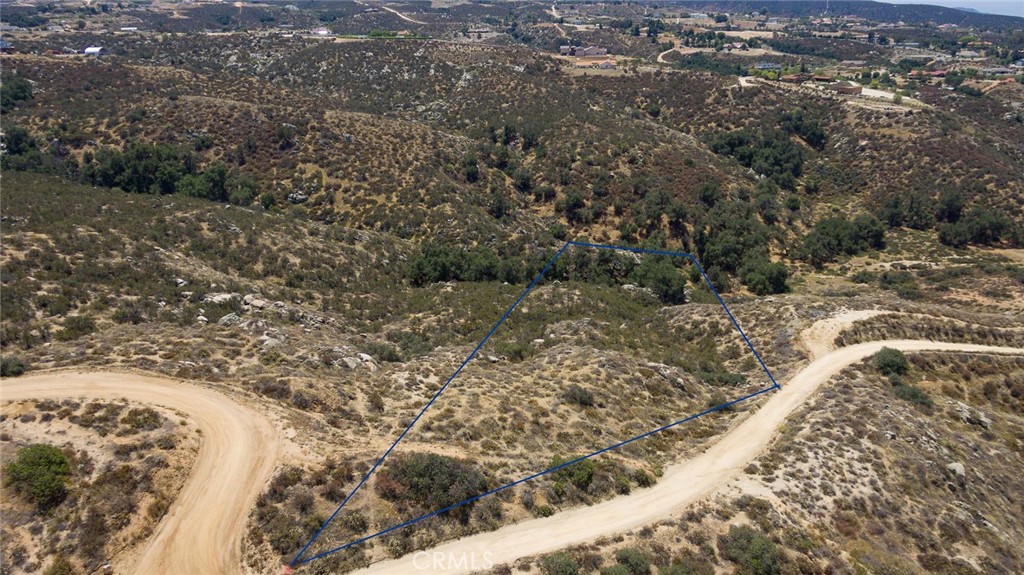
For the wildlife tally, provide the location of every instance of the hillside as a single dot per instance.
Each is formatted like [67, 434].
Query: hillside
[318, 210]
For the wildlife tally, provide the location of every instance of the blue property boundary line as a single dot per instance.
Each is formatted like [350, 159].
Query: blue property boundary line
[299, 560]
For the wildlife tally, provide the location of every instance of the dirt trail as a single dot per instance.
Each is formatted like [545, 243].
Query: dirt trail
[683, 483]
[202, 531]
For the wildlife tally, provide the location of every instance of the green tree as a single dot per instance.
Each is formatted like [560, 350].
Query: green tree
[891, 362]
[40, 472]
[17, 140]
[658, 273]
[764, 277]
[14, 88]
[950, 206]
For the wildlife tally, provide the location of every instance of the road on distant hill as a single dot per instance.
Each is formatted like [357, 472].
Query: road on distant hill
[202, 531]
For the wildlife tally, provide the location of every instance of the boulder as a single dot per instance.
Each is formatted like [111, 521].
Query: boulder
[229, 319]
[957, 472]
[219, 298]
[202, 319]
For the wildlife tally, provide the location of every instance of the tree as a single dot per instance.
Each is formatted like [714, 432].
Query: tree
[950, 206]
[18, 141]
[13, 89]
[499, 205]
[764, 277]
[522, 178]
[663, 278]
[891, 362]
[40, 473]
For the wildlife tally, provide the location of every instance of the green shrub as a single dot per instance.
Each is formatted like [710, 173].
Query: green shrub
[40, 473]
[752, 552]
[75, 327]
[559, 564]
[915, 395]
[615, 570]
[579, 396]
[636, 561]
[579, 474]
[430, 481]
[11, 366]
[382, 351]
[142, 419]
[891, 362]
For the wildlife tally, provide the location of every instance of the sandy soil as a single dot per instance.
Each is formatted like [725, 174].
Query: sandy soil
[202, 531]
[682, 484]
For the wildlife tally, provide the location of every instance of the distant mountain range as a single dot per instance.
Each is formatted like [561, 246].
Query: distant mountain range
[877, 11]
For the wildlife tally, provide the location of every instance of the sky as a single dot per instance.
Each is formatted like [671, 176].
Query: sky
[1005, 7]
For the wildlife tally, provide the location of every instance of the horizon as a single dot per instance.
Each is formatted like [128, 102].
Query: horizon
[994, 7]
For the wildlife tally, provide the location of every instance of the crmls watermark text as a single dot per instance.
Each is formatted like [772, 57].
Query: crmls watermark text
[441, 561]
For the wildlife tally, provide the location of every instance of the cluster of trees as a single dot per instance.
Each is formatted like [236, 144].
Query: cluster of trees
[768, 152]
[957, 227]
[833, 237]
[731, 238]
[138, 167]
[809, 130]
[438, 262]
[428, 482]
[164, 169]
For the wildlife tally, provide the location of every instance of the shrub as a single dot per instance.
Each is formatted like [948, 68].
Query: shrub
[431, 481]
[752, 552]
[40, 472]
[636, 561]
[11, 366]
[914, 395]
[579, 474]
[579, 396]
[61, 566]
[75, 327]
[559, 564]
[142, 419]
[891, 362]
[688, 565]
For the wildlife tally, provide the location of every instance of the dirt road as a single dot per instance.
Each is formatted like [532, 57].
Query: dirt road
[682, 484]
[202, 531]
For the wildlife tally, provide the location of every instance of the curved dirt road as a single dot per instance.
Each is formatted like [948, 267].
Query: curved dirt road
[202, 531]
[682, 484]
